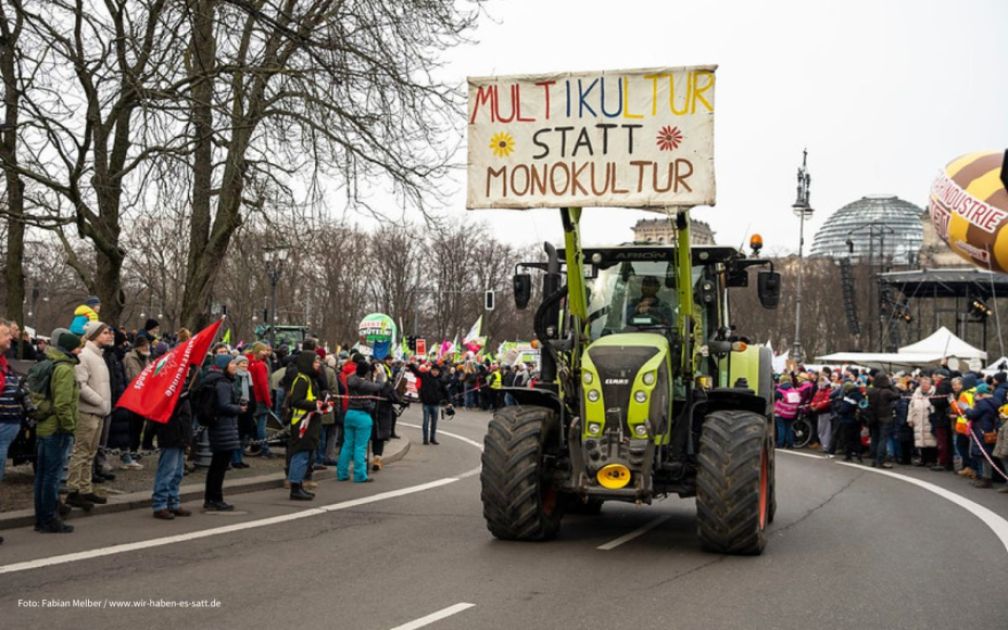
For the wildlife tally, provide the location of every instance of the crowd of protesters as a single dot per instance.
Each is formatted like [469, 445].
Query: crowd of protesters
[937, 418]
[328, 409]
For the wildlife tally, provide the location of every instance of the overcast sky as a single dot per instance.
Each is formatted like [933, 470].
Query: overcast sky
[882, 94]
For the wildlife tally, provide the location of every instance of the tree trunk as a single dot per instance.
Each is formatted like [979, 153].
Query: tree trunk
[202, 55]
[14, 270]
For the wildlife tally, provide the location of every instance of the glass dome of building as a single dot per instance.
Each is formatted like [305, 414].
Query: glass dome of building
[871, 224]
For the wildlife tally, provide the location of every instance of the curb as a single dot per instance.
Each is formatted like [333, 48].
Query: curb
[190, 492]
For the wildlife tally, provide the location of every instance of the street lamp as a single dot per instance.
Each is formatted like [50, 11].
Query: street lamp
[801, 209]
[275, 258]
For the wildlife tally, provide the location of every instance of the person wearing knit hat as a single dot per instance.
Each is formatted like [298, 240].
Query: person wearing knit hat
[243, 390]
[151, 330]
[262, 395]
[68, 342]
[92, 329]
[983, 417]
[86, 312]
[223, 431]
[54, 432]
[95, 403]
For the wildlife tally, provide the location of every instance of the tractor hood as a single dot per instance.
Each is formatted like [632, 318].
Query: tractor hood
[622, 376]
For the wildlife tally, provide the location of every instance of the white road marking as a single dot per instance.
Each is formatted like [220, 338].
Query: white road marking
[821, 457]
[237, 527]
[440, 432]
[435, 616]
[995, 522]
[612, 544]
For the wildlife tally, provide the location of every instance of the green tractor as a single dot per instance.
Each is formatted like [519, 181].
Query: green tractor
[645, 391]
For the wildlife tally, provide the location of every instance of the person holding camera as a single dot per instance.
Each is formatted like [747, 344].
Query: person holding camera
[433, 394]
[223, 432]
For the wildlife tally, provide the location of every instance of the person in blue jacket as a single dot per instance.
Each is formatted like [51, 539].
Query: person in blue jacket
[983, 419]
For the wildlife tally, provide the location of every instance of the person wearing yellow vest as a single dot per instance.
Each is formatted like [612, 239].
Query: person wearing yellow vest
[965, 391]
[496, 385]
[304, 421]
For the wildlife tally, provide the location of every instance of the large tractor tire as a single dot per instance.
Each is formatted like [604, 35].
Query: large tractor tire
[734, 483]
[519, 500]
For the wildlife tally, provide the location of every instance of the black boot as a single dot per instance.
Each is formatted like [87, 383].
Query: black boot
[76, 499]
[298, 493]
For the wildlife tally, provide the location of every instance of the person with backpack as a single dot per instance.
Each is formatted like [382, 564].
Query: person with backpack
[846, 409]
[173, 438]
[57, 402]
[882, 397]
[222, 430]
[787, 399]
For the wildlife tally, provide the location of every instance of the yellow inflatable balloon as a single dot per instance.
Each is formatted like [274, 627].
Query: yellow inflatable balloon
[969, 208]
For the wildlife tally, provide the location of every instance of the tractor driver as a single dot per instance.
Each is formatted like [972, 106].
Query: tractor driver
[650, 304]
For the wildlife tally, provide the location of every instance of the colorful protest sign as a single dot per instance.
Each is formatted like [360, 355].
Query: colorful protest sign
[377, 330]
[632, 138]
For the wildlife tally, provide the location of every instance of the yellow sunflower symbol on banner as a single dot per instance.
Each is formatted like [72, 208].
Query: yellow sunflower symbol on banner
[502, 144]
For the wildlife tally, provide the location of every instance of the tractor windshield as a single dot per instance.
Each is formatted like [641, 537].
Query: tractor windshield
[633, 295]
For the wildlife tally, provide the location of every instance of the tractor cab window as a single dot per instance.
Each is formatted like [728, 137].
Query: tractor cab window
[633, 295]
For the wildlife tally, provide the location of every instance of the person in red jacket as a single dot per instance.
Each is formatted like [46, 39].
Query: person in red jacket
[261, 393]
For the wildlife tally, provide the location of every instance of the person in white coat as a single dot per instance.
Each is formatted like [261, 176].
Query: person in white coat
[919, 416]
[95, 403]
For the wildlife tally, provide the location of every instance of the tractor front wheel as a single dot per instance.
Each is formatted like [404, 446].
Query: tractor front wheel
[520, 501]
[734, 483]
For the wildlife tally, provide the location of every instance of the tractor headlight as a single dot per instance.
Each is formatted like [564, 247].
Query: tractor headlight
[649, 378]
[586, 377]
[593, 395]
[594, 428]
[640, 396]
[640, 430]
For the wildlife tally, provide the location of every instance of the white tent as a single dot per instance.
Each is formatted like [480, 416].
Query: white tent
[945, 343]
[889, 361]
[996, 365]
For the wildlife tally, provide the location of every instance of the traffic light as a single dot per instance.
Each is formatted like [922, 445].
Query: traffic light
[411, 343]
[488, 300]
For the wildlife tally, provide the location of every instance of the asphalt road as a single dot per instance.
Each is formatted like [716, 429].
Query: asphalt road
[849, 549]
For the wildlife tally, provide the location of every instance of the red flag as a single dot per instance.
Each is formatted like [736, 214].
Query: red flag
[155, 391]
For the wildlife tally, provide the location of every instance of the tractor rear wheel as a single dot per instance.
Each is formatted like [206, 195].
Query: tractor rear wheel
[734, 482]
[520, 501]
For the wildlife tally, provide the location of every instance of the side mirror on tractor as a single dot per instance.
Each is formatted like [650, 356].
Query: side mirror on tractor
[768, 286]
[522, 289]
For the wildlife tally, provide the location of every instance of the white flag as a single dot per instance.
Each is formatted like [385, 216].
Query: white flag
[474, 332]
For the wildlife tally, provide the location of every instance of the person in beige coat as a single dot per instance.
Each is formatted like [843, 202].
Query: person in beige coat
[95, 403]
[919, 417]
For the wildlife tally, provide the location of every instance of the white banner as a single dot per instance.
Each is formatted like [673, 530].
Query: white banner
[632, 138]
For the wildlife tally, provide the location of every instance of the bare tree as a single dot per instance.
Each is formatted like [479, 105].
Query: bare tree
[315, 87]
[97, 69]
[11, 25]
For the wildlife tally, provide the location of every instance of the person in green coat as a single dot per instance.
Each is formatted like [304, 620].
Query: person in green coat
[55, 433]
